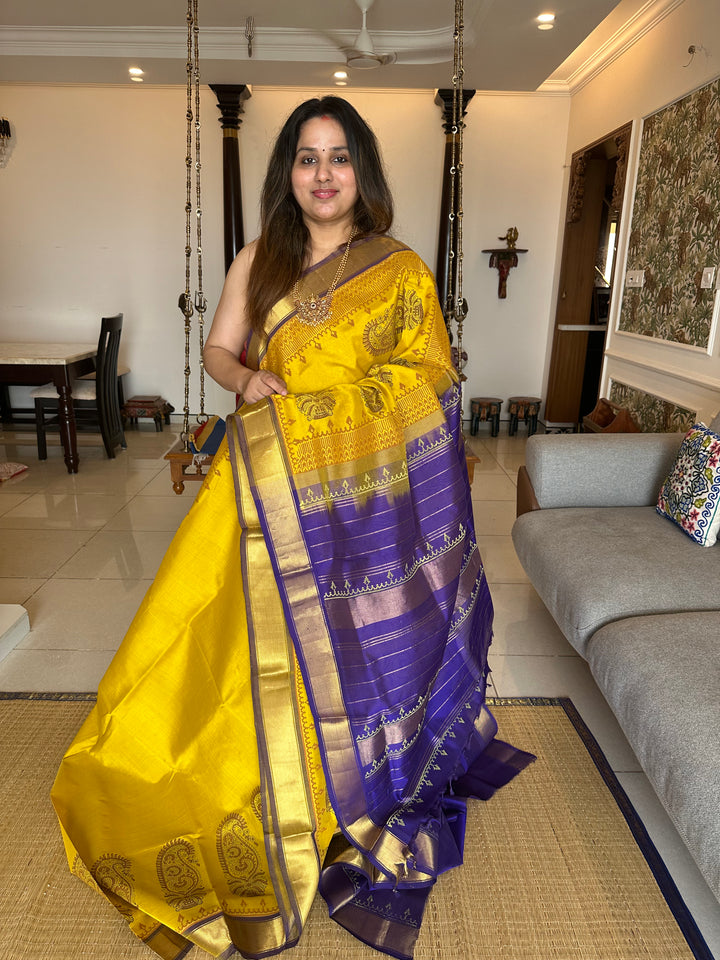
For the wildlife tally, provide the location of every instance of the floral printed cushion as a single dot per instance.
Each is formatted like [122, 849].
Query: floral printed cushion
[690, 496]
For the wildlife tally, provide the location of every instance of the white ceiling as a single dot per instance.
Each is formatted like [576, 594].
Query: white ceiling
[299, 43]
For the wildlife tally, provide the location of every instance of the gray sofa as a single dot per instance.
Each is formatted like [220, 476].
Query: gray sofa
[640, 601]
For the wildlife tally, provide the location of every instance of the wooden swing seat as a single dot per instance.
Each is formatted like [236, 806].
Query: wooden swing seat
[185, 465]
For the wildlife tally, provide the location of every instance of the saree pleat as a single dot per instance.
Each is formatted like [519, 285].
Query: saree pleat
[300, 701]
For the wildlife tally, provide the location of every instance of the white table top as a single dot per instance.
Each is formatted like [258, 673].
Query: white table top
[36, 353]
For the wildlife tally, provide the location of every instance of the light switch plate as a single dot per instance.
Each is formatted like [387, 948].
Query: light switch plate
[708, 277]
[635, 278]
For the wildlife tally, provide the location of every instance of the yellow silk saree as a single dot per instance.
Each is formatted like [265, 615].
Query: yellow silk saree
[299, 702]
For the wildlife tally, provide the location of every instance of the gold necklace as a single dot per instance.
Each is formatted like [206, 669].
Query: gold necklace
[316, 310]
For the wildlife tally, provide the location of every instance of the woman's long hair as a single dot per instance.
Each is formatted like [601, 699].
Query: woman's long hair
[282, 246]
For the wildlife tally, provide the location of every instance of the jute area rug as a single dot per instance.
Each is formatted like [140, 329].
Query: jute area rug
[557, 866]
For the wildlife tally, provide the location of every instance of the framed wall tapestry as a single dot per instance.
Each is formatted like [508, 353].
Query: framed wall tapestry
[652, 414]
[675, 230]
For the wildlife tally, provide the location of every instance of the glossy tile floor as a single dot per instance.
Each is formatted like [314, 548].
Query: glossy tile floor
[79, 552]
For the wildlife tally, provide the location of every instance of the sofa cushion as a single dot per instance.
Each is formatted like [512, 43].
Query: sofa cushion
[599, 469]
[593, 565]
[690, 496]
[661, 676]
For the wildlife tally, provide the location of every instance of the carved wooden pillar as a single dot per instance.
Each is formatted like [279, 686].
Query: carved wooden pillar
[622, 141]
[444, 99]
[230, 98]
[576, 189]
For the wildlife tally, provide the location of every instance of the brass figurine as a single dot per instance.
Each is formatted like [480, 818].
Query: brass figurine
[510, 237]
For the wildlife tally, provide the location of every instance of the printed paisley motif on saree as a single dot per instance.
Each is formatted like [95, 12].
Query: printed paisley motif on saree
[256, 804]
[379, 335]
[78, 868]
[178, 870]
[316, 406]
[372, 398]
[411, 310]
[240, 858]
[114, 874]
[381, 374]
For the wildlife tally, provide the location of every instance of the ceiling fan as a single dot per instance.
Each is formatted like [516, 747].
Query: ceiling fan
[362, 55]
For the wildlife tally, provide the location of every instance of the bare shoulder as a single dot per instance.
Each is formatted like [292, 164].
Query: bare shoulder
[230, 326]
[240, 267]
[247, 253]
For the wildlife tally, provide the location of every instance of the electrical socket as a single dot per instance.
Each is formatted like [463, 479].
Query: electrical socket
[635, 278]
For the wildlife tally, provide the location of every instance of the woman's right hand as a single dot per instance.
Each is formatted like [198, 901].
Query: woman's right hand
[263, 383]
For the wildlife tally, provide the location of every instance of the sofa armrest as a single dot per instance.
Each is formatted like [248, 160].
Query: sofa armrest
[526, 499]
[599, 470]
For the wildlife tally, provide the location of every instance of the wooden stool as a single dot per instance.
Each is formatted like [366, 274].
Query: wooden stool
[485, 408]
[524, 408]
[154, 407]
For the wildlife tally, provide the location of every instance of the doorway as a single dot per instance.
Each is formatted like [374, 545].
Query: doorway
[587, 271]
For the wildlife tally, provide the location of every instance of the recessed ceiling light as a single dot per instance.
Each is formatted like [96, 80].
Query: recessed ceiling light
[340, 74]
[546, 21]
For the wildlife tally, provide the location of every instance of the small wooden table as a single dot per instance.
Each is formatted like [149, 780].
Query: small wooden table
[32, 364]
[154, 407]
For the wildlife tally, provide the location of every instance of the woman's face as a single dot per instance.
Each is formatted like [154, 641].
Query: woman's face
[323, 178]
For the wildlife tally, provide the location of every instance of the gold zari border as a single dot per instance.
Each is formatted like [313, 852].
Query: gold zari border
[288, 810]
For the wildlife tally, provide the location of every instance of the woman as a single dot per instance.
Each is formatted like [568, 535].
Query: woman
[299, 702]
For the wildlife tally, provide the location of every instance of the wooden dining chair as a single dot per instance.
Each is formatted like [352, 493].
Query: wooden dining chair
[95, 401]
[123, 371]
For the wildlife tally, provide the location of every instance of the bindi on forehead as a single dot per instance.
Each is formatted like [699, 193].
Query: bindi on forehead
[318, 149]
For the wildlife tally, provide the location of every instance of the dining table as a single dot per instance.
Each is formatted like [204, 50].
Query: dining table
[33, 363]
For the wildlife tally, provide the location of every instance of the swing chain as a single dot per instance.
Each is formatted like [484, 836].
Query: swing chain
[200, 301]
[456, 305]
[185, 301]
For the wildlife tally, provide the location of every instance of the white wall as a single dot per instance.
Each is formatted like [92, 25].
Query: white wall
[514, 177]
[651, 74]
[93, 203]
